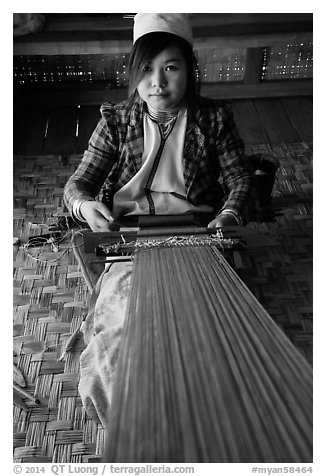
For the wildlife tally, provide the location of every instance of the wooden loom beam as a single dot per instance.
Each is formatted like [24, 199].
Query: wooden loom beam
[96, 35]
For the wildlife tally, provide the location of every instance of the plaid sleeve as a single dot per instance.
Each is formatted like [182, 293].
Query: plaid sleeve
[95, 166]
[236, 170]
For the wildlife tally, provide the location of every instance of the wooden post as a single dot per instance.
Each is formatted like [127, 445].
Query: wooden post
[253, 67]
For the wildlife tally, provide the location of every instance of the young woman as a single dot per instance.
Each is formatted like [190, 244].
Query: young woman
[163, 151]
[166, 150]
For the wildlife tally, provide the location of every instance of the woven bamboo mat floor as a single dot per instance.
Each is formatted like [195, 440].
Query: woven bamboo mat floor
[50, 298]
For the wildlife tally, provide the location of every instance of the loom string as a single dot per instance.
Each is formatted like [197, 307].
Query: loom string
[180, 398]
[256, 306]
[169, 344]
[185, 291]
[231, 315]
[192, 337]
[235, 339]
[169, 318]
[207, 333]
[195, 321]
[271, 368]
[226, 374]
[272, 330]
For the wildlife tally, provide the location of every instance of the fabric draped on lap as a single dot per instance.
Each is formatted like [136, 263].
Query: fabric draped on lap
[102, 333]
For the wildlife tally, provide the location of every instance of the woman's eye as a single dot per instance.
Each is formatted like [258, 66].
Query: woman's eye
[171, 67]
[146, 69]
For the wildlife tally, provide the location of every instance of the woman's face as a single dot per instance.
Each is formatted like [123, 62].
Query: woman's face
[164, 81]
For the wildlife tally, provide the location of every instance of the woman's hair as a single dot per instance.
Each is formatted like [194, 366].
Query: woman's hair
[149, 46]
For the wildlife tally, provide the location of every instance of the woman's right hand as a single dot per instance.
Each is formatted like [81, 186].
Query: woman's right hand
[97, 215]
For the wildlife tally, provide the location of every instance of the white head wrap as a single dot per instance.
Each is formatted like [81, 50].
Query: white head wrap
[175, 23]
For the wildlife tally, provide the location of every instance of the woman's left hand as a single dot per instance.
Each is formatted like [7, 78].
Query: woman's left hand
[223, 220]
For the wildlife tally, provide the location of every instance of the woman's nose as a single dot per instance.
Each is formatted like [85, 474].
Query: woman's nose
[158, 79]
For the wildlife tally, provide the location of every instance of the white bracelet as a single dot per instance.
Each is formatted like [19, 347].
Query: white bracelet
[234, 214]
[76, 209]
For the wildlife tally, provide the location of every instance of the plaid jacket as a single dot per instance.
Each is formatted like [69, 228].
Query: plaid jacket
[216, 171]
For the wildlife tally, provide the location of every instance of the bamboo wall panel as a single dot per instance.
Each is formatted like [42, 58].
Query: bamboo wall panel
[288, 61]
[59, 69]
[216, 64]
[221, 64]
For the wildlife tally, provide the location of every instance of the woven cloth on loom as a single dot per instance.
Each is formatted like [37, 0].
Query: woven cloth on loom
[205, 375]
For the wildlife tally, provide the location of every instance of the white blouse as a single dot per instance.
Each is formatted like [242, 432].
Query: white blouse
[158, 187]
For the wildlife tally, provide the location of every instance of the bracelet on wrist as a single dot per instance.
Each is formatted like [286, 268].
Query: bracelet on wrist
[233, 214]
[76, 209]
